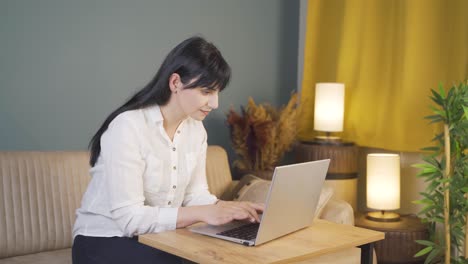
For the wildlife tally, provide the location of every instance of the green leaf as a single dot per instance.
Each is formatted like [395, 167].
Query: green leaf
[424, 201]
[423, 252]
[425, 174]
[440, 113]
[438, 137]
[444, 180]
[430, 159]
[428, 196]
[425, 243]
[422, 165]
[437, 98]
[438, 120]
[434, 118]
[429, 170]
[441, 90]
[432, 255]
[427, 208]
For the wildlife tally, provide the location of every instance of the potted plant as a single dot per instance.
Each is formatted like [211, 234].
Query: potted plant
[445, 199]
[261, 134]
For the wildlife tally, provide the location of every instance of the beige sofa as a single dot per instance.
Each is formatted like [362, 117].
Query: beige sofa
[40, 192]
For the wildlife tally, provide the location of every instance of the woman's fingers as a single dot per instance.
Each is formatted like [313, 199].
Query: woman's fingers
[251, 208]
[243, 210]
[252, 211]
[260, 207]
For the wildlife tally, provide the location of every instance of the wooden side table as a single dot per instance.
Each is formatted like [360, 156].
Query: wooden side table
[398, 245]
[342, 174]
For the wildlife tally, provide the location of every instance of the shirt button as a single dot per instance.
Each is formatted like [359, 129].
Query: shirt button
[173, 149]
[178, 131]
[174, 168]
[169, 203]
[173, 186]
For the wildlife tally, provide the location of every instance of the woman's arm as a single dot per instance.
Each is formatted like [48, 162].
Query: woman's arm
[220, 213]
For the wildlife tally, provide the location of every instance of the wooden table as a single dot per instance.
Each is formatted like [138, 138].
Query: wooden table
[320, 238]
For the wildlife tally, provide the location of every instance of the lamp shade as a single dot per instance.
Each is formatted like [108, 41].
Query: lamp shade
[383, 181]
[329, 107]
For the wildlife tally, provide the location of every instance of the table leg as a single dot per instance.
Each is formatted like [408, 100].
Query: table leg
[367, 251]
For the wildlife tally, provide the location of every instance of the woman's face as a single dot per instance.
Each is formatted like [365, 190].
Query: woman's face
[198, 102]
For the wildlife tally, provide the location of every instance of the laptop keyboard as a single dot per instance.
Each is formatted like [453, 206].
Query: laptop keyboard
[245, 232]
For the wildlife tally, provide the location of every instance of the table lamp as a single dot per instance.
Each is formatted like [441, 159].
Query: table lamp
[329, 109]
[383, 186]
[328, 118]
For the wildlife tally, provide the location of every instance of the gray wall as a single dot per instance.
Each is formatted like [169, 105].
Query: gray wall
[65, 65]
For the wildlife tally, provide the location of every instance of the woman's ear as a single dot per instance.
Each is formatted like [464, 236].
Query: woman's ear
[175, 83]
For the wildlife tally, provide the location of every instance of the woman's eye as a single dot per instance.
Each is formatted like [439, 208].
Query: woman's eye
[206, 91]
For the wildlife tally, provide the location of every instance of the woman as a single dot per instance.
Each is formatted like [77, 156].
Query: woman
[148, 163]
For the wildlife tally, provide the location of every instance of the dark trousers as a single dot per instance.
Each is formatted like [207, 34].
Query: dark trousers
[117, 250]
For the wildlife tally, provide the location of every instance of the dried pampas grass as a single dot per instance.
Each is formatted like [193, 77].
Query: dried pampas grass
[261, 134]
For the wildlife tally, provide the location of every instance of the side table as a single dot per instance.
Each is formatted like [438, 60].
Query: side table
[343, 171]
[398, 245]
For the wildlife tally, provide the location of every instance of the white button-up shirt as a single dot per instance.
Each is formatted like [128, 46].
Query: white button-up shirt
[141, 177]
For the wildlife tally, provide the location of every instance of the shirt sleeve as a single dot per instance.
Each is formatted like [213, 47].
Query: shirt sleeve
[124, 168]
[197, 192]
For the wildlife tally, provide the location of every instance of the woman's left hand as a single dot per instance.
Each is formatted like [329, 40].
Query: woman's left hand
[220, 213]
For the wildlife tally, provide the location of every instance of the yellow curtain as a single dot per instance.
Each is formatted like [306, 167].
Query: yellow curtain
[389, 54]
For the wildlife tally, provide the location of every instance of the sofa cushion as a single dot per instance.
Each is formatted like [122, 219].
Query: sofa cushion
[338, 211]
[254, 189]
[62, 256]
[40, 193]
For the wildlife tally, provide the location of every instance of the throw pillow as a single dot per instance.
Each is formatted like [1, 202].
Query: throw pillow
[254, 189]
[325, 196]
[244, 181]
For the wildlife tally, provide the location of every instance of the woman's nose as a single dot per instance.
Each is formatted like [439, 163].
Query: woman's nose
[213, 102]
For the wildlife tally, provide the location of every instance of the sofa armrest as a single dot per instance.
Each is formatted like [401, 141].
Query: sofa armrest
[338, 211]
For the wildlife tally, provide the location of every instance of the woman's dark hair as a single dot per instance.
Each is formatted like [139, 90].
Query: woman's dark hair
[194, 58]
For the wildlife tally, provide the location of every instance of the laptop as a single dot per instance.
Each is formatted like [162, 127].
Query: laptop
[290, 205]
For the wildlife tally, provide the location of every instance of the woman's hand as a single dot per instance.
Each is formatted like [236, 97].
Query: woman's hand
[220, 213]
[225, 211]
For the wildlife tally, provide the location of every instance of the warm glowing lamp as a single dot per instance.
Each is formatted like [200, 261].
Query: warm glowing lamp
[383, 186]
[329, 118]
[329, 108]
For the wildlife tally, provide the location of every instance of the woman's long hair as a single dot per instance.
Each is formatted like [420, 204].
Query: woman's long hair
[194, 58]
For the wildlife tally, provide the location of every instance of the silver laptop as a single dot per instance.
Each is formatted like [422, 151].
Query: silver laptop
[290, 205]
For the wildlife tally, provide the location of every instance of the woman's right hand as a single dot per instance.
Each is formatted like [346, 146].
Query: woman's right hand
[226, 211]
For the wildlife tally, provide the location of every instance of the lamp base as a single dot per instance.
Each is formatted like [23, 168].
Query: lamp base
[383, 216]
[327, 139]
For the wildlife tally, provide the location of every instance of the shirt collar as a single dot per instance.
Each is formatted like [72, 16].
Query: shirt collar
[154, 114]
